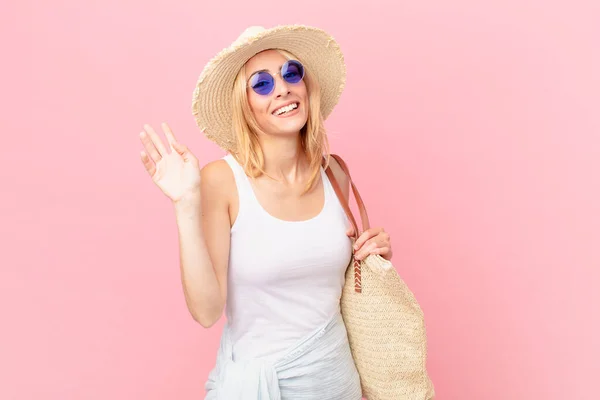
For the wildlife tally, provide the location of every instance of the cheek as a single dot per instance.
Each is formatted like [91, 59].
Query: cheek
[304, 95]
[303, 91]
[258, 104]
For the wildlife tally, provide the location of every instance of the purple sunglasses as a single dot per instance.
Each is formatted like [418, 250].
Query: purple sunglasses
[263, 83]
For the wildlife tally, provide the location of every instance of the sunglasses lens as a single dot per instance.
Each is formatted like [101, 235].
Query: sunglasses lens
[292, 71]
[262, 83]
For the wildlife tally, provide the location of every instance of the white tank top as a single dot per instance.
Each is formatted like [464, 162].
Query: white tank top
[285, 278]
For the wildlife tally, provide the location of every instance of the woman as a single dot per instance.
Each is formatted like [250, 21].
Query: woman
[262, 234]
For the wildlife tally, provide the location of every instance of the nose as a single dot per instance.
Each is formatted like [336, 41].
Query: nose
[281, 86]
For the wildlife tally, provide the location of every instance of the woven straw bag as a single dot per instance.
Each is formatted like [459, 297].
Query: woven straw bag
[385, 324]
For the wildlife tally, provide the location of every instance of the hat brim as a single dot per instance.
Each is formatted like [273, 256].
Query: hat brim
[212, 98]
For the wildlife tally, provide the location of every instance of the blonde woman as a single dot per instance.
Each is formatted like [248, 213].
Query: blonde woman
[262, 234]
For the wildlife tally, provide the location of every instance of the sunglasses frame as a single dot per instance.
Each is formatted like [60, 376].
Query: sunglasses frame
[273, 76]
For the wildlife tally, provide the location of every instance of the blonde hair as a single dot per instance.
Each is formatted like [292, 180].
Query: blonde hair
[245, 127]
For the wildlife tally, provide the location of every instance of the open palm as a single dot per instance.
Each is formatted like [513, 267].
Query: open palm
[175, 172]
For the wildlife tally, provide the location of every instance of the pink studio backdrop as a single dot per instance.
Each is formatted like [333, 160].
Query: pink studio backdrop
[472, 131]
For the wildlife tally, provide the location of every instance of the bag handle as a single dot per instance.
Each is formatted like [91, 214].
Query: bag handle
[361, 208]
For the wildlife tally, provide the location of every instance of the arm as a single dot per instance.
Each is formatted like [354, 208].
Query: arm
[204, 237]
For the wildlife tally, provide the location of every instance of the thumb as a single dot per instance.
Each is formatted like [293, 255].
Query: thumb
[350, 231]
[181, 149]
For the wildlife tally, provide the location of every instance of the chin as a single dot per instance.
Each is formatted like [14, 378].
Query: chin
[289, 125]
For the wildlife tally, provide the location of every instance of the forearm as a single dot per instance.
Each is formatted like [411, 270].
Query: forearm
[200, 285]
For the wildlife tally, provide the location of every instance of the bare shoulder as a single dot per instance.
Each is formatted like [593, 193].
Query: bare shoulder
[340, 175]
[217, 170]
[217, 180]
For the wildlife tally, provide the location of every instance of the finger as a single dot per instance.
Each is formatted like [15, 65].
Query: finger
[382, 251]
[364, 251]
[184, 152]
[149, 146]
[378, 240]
[169, 134]
[178, 147]
[350, 231]
[366, 235]
[148, 164]
[155, 139]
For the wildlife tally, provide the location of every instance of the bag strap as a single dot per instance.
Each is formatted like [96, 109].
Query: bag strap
[361, 205]
[361, 208]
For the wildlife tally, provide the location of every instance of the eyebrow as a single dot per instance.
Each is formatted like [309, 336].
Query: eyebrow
[266, 70]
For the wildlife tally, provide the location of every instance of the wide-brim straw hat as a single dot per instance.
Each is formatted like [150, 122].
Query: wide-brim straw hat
[314, 48]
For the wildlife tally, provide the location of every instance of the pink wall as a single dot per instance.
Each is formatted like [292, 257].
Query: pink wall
[471, 128]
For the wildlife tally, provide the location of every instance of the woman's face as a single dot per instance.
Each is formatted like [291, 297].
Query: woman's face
[266, 108]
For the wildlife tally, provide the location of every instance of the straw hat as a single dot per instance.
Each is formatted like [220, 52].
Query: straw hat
[317, 50]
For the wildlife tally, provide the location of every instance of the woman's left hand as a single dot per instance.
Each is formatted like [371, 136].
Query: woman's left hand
[372, 241]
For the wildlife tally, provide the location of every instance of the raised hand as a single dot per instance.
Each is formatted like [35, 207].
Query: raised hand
[175, 172]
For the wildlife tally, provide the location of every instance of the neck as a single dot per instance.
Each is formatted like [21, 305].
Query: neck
[284, 158]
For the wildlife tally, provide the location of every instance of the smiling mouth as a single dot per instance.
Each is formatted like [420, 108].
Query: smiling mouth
[285, 110]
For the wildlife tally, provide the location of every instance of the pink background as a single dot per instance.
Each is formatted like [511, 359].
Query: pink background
[471, 128]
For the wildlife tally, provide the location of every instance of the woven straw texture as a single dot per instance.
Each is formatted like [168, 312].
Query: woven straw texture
[386, 331]
[317, 50]
[385, 324]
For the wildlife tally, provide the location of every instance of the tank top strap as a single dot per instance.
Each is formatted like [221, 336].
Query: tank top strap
[235, 166]
[244, 188]
[329, 191]
[331, 196]
[249, 204]
[243, 183]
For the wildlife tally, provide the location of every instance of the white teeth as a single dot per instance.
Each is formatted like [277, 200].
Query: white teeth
[285, 109]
